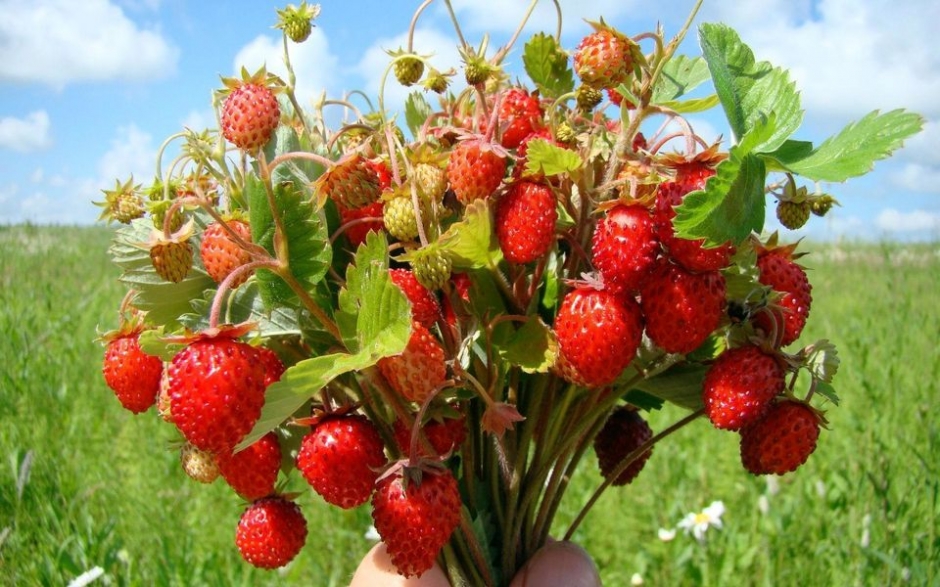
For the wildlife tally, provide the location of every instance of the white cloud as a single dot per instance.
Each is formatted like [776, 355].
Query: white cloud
[315, 67]
[504, 17]
[891, 220]
[132, 152]
[199, 120]
[27, 134]
[917, 178]
[58, 42]
[848, 57]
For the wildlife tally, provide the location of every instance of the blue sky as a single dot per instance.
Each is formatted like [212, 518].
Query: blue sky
[89, 90]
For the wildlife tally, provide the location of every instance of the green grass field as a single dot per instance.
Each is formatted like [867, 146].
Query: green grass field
[85, 484]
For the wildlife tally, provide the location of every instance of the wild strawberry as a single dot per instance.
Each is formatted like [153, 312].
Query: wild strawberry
[295, 20]
[198, 465]
[399, 216]
[216, 387]
[133, 375]
[171, 258]
[625, 246]
[740, 385]
[443, 435]
[352, 182]
[587, 98]
[273, 367]
[431, 267]
[430, 177]
[221, 255]
[793, 215]
[474, 170]
[598, 334]
[367, 219]
[250, 112]
[124, 203]
[419, 369]
[424, 305]
[604, 58]
[779, 270]
[525, 221]
[340, 458]
[690, 253]
[681, 308]
[415, 517]
[520, 114]
[252, 472]
[271, 532]
[408, 69]
[781, 440]
[624, 431]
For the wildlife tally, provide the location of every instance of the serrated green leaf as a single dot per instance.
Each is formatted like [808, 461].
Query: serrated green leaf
[417, 112]
[153, 342]
[693, 105]
[827, 391]
[533, 347]
[471, 243]
[308, 247]
[547, 65]
[300, 171]
[680, 75]
[731, 206]
[857, 147]
[245, 304]
[374, 315]
[543, 157]
[790, 150]
[822, 360]
[749, 90]
[643, 400]
[163, 301]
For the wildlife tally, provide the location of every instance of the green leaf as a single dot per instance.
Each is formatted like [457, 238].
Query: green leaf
[790, 150]
[471, 243]
[693, 105]
[163, 301]
[543, 157]
[532, 347]
[374, 315]
[417, 112]
[680, 385]
[680, 75]
[856, 148]
[732, 204]
[308, 247]
[245, 304]
[547, 65]
[750, 91]
[300, 171]
[297, 385]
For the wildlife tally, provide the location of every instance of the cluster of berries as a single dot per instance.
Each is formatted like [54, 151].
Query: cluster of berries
[508, 215]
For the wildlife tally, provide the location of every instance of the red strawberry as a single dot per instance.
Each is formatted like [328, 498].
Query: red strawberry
[133, 375]
[352, 182]
[443, 435]
[424, 305]
[368, 219]
[415, 517]
[598, 334]
[252, 472]
[625, 247]
[779, 271]
[273, 367]
[682, 308]
[340, 457]
[623, 432]
[604, 58]
[216, 388]
[520, 114]
[271, 532]
[474, 170]
[221, 254]
[691, 254]
[382, 172]
[781, 440]
[250, 112]
[525, 221]
[419, 369]
[740, 385]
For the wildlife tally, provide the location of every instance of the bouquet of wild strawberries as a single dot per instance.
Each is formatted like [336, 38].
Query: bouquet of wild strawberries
[443, 320]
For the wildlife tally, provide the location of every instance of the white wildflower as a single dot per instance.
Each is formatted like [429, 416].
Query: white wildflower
[698, 523]
[372, 534]
[636, 580]
[666, 534]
